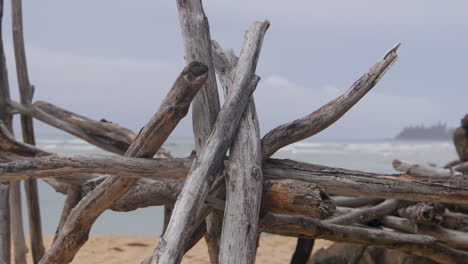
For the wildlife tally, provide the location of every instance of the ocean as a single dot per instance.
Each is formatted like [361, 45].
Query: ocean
[371, 156]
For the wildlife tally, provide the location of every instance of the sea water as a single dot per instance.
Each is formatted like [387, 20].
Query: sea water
[371, 156]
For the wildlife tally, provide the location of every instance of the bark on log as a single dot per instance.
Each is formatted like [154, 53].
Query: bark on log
[423, 213]
[333, 180]
[201, 176]
[280, 196]
[26, 91]
[362, 215]
[173, 108]
[421, 245]
[457, 221]
[422, 170]
[61, 165]
[452, 238]
[328, 114]
[196, 36]
[354, 183]
[244, 178]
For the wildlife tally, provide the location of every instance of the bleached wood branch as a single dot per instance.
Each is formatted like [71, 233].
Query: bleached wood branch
[422, 170]
[354, 202]
[452, 238]
[328, 114]
[173, 108]
[62, 165]
[196, 37]
[362, 215]
[208, 163]
[421, 245]
[26, 91]
[244, 175]
[333, 180]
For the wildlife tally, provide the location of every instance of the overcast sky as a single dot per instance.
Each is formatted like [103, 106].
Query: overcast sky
[116, 59]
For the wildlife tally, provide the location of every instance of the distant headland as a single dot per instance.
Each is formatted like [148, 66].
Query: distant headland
[421, 132]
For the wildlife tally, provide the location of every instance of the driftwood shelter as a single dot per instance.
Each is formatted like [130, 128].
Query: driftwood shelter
[228, 199]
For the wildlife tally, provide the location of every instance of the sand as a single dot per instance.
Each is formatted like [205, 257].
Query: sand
[134, 249]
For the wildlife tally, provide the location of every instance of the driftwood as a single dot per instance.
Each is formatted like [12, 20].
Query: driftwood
[366, 214]
[423, 213]
[73, 198]
[173, 108]
[333, 180]
[202, 173]
[421, 245]
[456, 221]
[197, 46]
[240, 230]
[6, 119]
[327, 115]
[5, 246]
[355, 201]
[26, 91]
[423, 170]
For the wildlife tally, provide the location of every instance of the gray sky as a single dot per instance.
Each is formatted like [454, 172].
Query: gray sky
[117, 59]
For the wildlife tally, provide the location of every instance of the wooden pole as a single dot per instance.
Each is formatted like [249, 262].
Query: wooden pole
[6, 118]
[26, 95]
[197, 46]
[244, 178]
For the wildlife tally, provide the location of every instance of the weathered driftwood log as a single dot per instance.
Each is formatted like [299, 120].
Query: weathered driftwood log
[26, 91]
[280, 196]
[460, 139]
[6, 118]
[103, 134]
[362, 215]
[353, 183]
[422, 170]
[197, 46]
[328, 114]
[109, 136]
[62, 165]
[452, 238]
[457, 221]
[205, 167]
[462, 167]
[173, 108]
[423, 213]
[73, 198]
[421, 245]
[354, 202]
[333, 180]
[244, 176]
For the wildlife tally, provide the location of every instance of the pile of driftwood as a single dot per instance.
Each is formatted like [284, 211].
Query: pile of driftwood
[229, 199]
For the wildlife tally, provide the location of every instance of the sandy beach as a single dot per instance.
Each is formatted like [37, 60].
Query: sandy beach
[134, 249]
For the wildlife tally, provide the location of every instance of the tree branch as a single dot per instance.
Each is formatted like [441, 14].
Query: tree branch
[328, 114]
